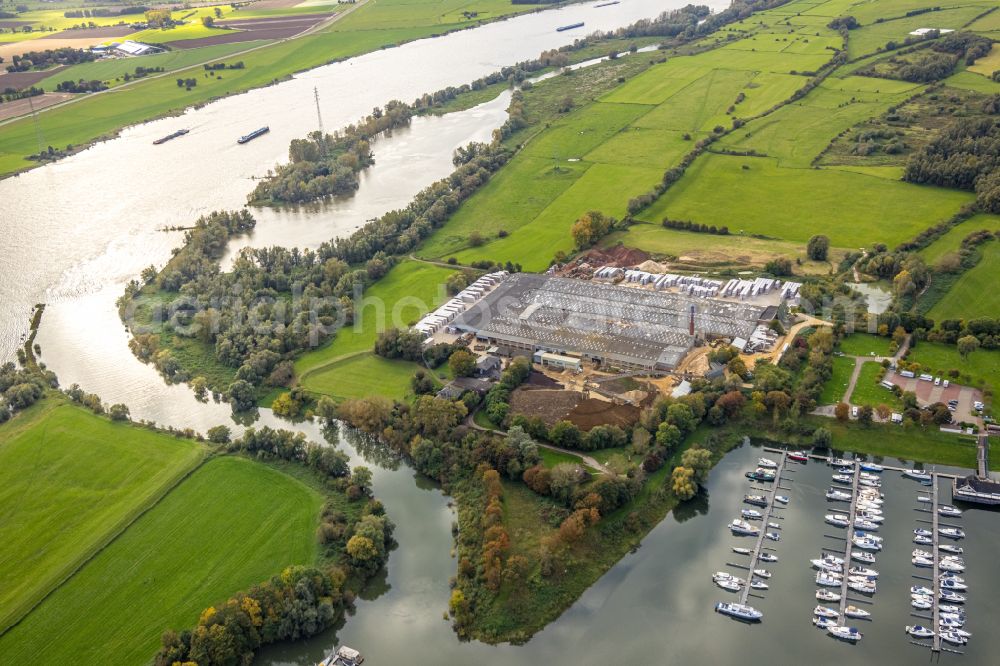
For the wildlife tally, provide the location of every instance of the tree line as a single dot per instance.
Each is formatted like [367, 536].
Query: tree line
[49, 58]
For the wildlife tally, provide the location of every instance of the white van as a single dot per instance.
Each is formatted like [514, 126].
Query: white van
[937, 381]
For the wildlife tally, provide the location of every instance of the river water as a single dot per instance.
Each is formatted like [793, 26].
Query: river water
[77, 230]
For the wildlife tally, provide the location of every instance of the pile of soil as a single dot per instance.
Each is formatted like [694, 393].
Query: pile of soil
[549, 405]
[614, 256]
[590, 412]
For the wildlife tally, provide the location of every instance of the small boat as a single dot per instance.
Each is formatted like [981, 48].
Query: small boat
[773, 536]
[950, 566]
[758, 585]
[798, 456]
[953, 637]
[954, 610]
[854, 611]
[868, 475]
[921, 590]
[948, 548]
[918, 631]
[917, 475]
[739, 611]
[866, 535]
[823, 611]
[922, 553]
[850, 634]
[951, 597]
[870, 483]
[843, 478]
[755, 500]
[863, 556]
[866, 543]
[922, 532]
[873, 504]
[774, 526]
[751, 514]
[923, 540]
[871, 467]
[865, 524]
[924, 498]
[829, 579]
[783, 499]
[952, 584]
[922, 603]
[763, 573]
[958, 631]
[728, 585]
[952, 576]
[180, 132]
[948, 510]
[344, 656]
[951, 623]
[836, 519]
[951, 532]
[724, 575]
[741, 551]
[606, 4]
[863, 571]
[767, 557]
[743, 528]
[924, 562]
[840, 462]
[874, 516]
[823, 622]
[564, 28]
[838, 495]
[827, 595]
[767, 463]
[862, 586]
[761, 474]
[246, 138]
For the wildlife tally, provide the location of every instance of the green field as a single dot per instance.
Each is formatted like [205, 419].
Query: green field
[873, 35]
[836, 386]
[865, 344]
[552, 458]
[975, 293]
[981, 366]
[233, 523]
[110, 70]
[793, 204]
[951, 241]
[361, 375]
[69, 482]
[868, 390]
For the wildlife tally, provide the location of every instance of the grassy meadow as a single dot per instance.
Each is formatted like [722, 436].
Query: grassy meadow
[868, 390]
[233, 523]
[361, 375]
[865, 344]
[69, 482]
[982, 367]
[975, 293]
[836, 386]
[952, 241]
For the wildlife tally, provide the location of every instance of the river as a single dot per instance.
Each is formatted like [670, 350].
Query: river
[77, 230]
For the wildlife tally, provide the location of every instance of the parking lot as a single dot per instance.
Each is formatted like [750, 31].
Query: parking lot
[927, 394]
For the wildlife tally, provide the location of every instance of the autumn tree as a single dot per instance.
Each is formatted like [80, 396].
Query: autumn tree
[682, 483]
[698, 460]
[966, 345]
[462, 363]
[590, 228]
[842, 411]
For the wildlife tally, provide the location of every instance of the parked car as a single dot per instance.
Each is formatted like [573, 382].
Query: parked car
[946, 383]
[937, 381]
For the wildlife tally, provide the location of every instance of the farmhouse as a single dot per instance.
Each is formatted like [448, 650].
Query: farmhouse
[622, 327]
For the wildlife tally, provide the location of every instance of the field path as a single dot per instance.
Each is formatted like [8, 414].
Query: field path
[591, 462]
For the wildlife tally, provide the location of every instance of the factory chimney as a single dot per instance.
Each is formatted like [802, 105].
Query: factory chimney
[691, 321]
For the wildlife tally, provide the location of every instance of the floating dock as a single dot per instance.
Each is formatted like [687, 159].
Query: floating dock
[849, 545]
[759, 546]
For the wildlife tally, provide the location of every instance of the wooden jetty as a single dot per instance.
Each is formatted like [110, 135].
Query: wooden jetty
[759, 546]
[849, 544]
[893, 468]
[936, 609]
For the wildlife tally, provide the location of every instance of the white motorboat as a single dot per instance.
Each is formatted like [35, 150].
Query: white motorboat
[827, 595]
[850, 634]
[948, 548]
[773, 536]
[951, 597]
[863, 571]
[918, 631]
[763, 573]
[924, 498]
[841, 462]
[948, 608]
[767, 557]
[846, 479]
[917, 475]
[739, 611]
[862, 586]
[924, 562]
[743, 528]
[774, 526]
[751, 514]
[922, 603]
[869, 505]
[958, 631]
[953, 637]
[865, 524]
[761, 474]
[833, 558]
[870, 483]
[951, 532]
[865, 535]
[767, 463]
[728, 585]
[823, 622]
[873, 516]
[827, 565]
[922, 532]
[922, 553]
[783, 499]
[871, 467]
[742, 551]
[755, 500]
[837, 519]
[866, 543]
[823, 611]
[838, 495]
[758, 585]
[921, 590]
[923, 540]
[724, 575]
[867, 475]
[950, 622]
[948, 575]
[952, 584]
[948, 510]
[829, 579]
[863, 556]
[951, 566]
[854, 611]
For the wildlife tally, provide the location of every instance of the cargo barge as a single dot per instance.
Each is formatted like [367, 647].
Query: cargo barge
[569, 27]
[180, 132]
[253, 135]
